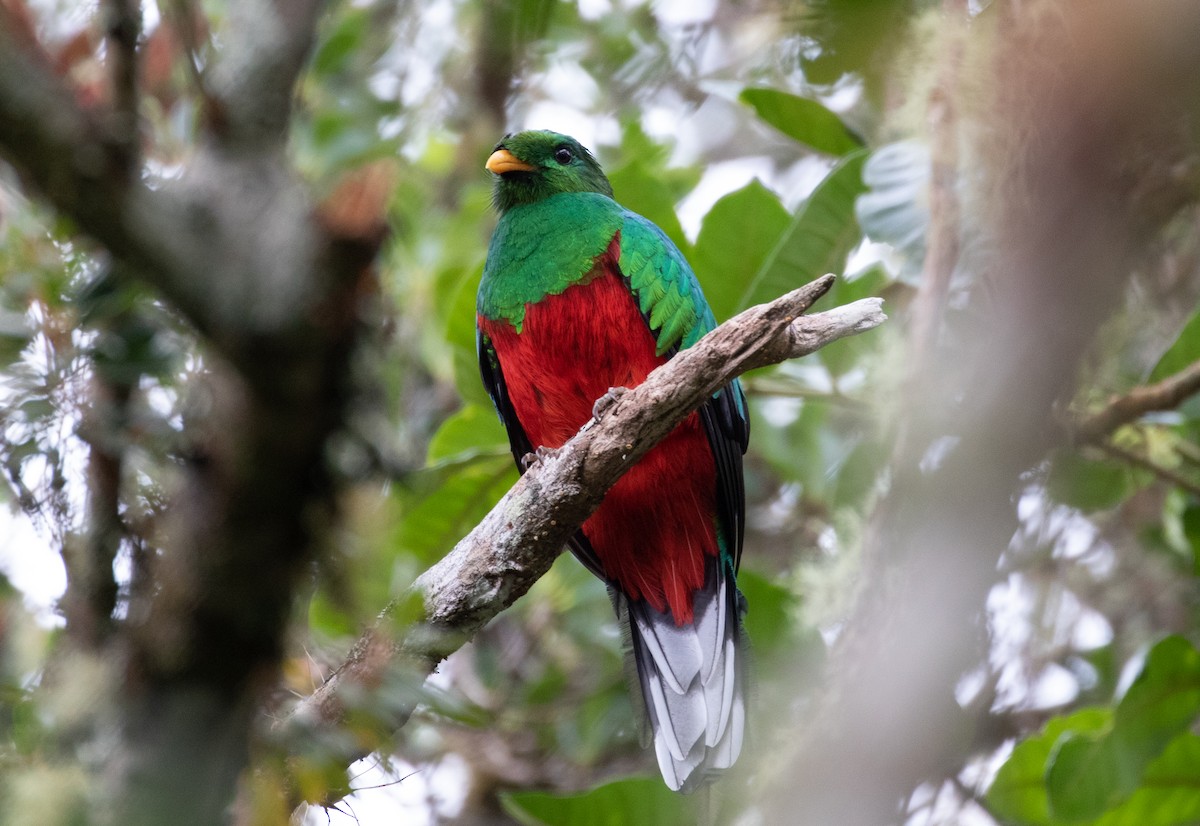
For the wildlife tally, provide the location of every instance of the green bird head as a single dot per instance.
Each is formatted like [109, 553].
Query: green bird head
[532, 166]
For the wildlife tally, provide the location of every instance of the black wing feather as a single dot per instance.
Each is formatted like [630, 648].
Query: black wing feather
[728, 433]
[518, 441]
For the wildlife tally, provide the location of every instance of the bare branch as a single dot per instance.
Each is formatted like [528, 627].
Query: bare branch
[184, 16]
[123, 26]
[233, 243]
[519, 539]
[267, 42]
[63, 148]
[91, 593]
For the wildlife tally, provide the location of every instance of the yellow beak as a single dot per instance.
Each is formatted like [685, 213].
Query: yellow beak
[503, 161]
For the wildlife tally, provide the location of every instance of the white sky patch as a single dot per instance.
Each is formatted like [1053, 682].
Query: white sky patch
[150, 16]
[799, 180]
[594, 9]
[418, 84]
[981, 771]
[422, 56]
[937, 452]
[32, 567]
[566, 80]
[712, 124]
[1010, 606]
[779, 411]
[1131, 670]
[942, 805]
[844, 96]
[1054, 687]
[969, 686]
[719, 180]
[1092, 630]
[559, 117]
[871, 252]
[812, 376]
[403, 794]
[384, 85]
[1029, 504]
[683, 12]
[664, 122]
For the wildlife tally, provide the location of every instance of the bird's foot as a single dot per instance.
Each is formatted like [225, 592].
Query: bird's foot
[607, 402]
[542, 452]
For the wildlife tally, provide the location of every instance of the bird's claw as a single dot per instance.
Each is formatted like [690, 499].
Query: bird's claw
[607, 402]
[542, 452]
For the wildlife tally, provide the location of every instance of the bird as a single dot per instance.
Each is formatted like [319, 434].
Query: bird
[580, 298]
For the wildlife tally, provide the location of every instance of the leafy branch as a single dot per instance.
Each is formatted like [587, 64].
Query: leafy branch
[1097, 428]
[1128, 407]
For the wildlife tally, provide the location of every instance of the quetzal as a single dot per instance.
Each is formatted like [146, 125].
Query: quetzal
[580, 295]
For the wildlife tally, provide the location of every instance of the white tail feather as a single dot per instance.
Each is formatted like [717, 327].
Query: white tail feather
[692, 682]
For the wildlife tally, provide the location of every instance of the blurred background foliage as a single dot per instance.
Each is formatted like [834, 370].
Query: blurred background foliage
[773, 141]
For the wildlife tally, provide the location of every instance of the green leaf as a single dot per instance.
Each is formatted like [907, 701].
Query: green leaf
[802, 451]
[1018, 793]
[1170, 791]
[460, 332]
[473, 430]
[857, 474]
[459, 285]
[855, 36]
[641, 800]
[328, 618]
[1088, 484]
[446, 515]
[1190, 524]
[1182, 353]
[342, 40]
[1163, 701]
[1084, 777]
[770, 611]
[736, 238]
[803, 120]
[1088, 774]
[821, 235]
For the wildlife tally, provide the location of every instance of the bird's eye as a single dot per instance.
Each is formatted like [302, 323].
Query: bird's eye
[563, 155]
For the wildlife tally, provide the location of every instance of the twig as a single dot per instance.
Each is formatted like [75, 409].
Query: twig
[518, 540]
[123, 25]
[1166, 474]
[183, 17]
[1188, 451]
[1164, 395]
[91, 594]
[783, 389]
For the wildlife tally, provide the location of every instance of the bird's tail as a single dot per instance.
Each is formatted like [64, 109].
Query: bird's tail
[692, 679]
